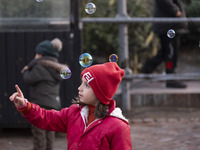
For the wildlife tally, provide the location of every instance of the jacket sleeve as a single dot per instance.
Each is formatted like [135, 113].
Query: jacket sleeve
[168, 6]
[48, 119]
[121, 138]
[35, 75]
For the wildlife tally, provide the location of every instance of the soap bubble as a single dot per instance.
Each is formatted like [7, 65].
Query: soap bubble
[85, 60]
[90, 8]
[113, 58]
[39, 1]
[65, 73]
[171, 33]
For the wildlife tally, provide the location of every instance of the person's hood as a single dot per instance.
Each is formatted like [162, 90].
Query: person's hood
[117, 112]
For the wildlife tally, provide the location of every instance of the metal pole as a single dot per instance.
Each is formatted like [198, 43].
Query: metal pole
[123, 45]
[128, 20]
[75, 41]
[123, 34]
[124, 54]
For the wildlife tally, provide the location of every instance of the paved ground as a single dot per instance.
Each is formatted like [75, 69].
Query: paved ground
[167, 136]
[150, 130]
[166, 129]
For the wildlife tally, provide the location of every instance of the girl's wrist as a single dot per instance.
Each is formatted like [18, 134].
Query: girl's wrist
[25, 104]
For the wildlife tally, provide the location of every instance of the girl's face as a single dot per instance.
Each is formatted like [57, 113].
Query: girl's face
[86, 94]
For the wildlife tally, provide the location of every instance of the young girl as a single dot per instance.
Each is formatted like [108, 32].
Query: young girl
[93, 123]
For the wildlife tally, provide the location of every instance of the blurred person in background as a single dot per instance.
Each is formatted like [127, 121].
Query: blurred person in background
[42, 74]
[168, 52]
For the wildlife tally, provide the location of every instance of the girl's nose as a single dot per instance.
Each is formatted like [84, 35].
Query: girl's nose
[79, 88]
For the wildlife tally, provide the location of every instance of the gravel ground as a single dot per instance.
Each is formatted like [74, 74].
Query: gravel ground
[167, 136]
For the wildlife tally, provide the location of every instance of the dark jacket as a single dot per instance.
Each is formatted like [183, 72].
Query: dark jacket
[169, 8]
[43, 76]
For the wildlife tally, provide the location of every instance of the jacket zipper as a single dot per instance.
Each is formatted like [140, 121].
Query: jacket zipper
[86, 127]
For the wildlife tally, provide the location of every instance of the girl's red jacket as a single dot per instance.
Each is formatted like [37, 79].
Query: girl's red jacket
[108, 133]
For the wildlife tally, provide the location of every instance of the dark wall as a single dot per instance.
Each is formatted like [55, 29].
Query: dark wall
[18, 49]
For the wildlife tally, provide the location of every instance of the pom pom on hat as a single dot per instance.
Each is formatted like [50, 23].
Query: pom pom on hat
[49, 48]
[57, 44]
[104, 80]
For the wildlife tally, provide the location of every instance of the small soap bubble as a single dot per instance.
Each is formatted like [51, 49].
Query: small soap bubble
[65, 73]
[90, 8]
[171, 33]
[113, 58]
[39, 1]
[85, 60]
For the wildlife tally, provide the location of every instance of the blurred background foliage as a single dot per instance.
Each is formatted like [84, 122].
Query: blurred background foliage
[193, 10]
[101, 40]
[32, 8]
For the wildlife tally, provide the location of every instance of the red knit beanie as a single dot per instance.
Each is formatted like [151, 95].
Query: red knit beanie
[104, 80]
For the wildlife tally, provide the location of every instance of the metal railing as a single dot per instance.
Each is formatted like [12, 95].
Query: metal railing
[122, 20]
[128, 20]
[126, 86]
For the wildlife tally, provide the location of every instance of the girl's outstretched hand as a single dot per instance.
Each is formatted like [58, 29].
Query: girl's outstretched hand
[18, 97]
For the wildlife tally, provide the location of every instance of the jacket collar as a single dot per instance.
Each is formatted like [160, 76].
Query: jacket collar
[114, 112]
[84, 114]
[35, 61]
[117, 112]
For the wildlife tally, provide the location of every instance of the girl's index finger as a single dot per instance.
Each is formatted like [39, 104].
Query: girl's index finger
[18, 90]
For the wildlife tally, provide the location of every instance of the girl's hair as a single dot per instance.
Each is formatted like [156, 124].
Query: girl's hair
[100, 111]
